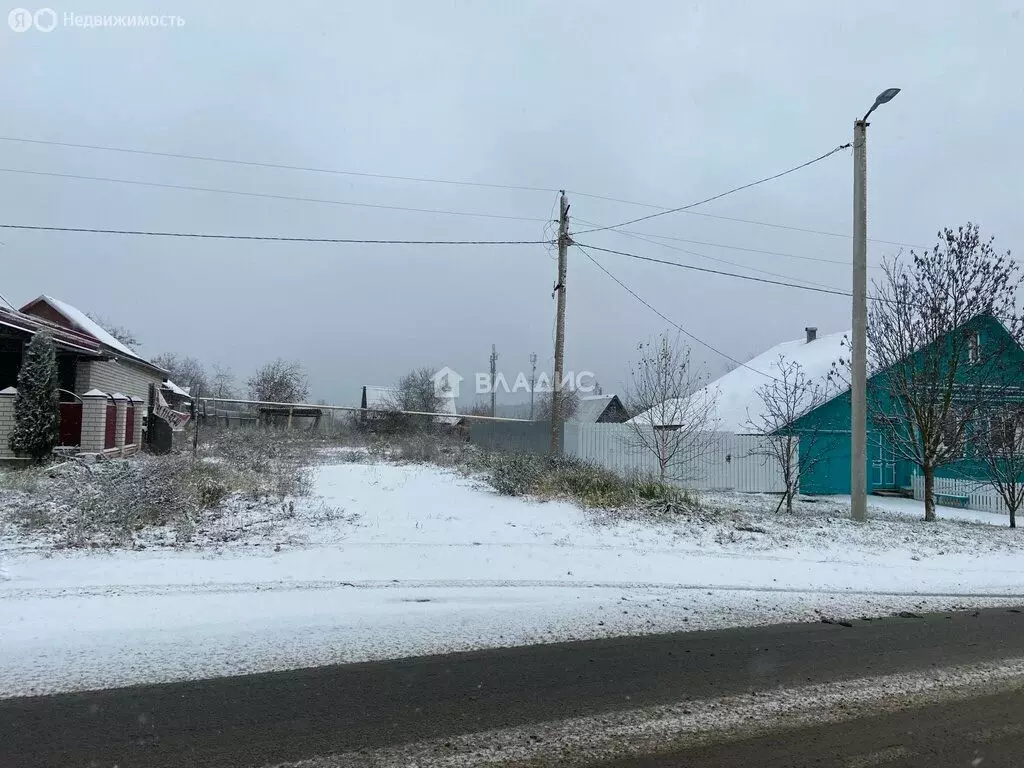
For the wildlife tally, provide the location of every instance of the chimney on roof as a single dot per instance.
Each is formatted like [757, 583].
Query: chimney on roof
[812, 334]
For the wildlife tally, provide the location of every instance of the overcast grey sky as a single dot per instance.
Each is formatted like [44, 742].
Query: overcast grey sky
[660, 102]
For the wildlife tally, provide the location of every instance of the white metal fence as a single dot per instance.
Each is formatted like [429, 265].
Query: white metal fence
[729, 462]
[979, 494]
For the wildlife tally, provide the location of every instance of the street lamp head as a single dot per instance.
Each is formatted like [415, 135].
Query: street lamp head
[883, 98]
[886, 96]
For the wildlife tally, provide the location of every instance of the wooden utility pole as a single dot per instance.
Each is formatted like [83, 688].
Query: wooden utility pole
[195, 422]
[533, 380]
[494, 375]
[556, 389]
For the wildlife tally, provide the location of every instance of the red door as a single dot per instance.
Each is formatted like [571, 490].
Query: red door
[70, 424]
[129, 424]
[110, 434]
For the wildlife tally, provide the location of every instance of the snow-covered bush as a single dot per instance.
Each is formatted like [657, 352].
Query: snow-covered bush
[266, 462]
[567, 477]
[515, 474]
[591, 485]
[36, 406]
[113, 502]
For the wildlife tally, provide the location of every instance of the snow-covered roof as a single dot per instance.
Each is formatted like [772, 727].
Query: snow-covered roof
[83, 322]
[737, 401]
[70, 338]
[591, 407]
[168, 384]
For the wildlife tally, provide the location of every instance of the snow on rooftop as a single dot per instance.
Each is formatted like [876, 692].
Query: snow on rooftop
[736, 393]
[183, 391]
[83, 322]
[591, 407]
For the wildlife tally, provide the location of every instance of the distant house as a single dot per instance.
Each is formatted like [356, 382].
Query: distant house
[600, 409]
[105, 386]
[736, 400]
[176, 397]
[738, 404]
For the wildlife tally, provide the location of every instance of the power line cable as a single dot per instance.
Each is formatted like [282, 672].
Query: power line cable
[428, 179]
[785, 254]
[671, 322]
[755, 222]
[832, 291]
[210, 236]
[277, 166]
[434, 180]
[637, 236]
[242, 193]
[720, 195]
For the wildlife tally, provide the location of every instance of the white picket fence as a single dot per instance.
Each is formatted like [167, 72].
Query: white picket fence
[980, 495]
[730, 463]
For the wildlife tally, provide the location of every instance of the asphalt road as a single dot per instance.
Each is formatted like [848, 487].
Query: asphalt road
[983, 732]
[257, 719]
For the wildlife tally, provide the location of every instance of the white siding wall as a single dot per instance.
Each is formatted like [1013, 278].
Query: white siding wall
[122, 376]
[733, 462]
[980, 495]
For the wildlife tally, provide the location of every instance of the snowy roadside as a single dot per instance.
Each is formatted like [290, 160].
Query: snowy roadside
[413, 559]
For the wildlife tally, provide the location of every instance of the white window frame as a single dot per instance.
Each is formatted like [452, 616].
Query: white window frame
[973, 347]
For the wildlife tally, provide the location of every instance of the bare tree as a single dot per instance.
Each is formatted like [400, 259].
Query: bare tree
[281, 381]
[222, 383]
[788, 396]
[185, 372]
[568, 403]
[479, 408]
[119, 332]
[416, 391]
[1000, 447]
[939, 350]
[675, 412]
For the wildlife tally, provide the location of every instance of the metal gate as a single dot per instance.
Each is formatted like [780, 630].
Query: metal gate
[129, 424]
[70, 424]
[110, 432]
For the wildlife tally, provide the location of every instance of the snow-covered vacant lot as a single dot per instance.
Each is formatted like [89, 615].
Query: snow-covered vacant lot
[388, 560]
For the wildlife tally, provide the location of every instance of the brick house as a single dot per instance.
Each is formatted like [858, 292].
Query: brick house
[105, 385]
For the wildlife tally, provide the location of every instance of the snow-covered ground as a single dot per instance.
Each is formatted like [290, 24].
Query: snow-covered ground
[392, 560]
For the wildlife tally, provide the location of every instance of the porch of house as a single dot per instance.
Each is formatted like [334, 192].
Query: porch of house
[92, 422]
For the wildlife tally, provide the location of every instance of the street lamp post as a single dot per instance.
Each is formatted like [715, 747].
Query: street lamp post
[859, 353]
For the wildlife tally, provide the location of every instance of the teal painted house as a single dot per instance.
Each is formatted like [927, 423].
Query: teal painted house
[988, 340]
[827, 427]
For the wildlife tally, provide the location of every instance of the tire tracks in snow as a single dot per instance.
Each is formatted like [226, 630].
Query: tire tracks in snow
[143, 590]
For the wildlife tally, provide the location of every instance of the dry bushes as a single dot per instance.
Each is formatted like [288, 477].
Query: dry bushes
[110, 502]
